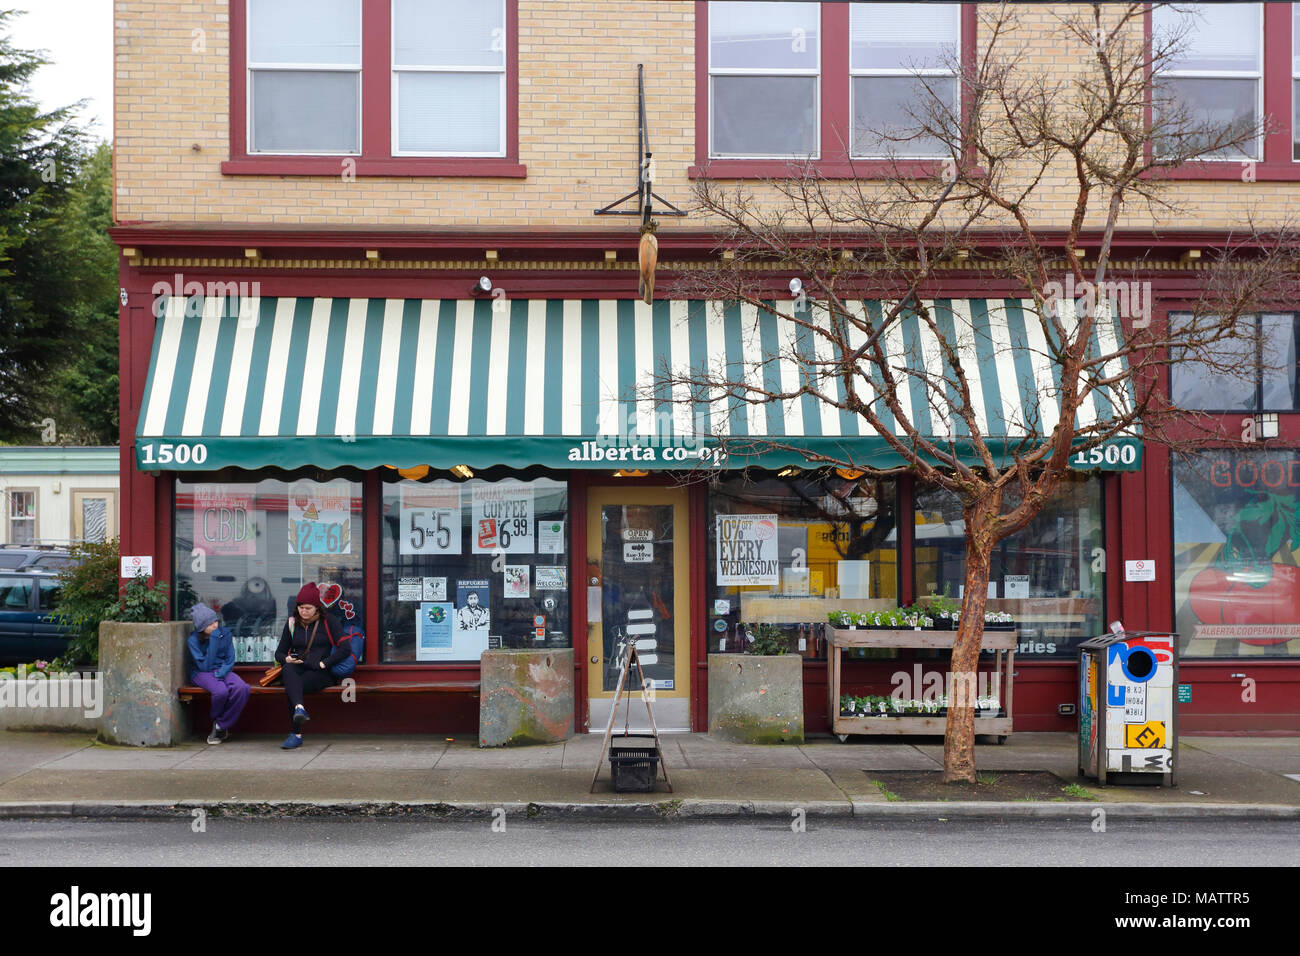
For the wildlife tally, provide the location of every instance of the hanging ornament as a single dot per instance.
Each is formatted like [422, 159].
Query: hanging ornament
[647, 261]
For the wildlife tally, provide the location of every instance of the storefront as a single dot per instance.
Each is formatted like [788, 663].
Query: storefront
[489, 472]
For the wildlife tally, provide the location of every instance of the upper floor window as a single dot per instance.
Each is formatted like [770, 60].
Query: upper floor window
[764, 71]
[304, 76]
[902, 60]
[851, 87]
[449, 77]
[1255, 371]
[1217, 74]
[374, 88]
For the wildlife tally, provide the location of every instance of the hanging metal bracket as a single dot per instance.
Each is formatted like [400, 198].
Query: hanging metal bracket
[644, 194]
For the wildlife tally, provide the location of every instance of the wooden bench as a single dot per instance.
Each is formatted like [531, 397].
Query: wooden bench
[188, 693]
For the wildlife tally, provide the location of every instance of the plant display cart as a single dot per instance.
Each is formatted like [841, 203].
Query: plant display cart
[1004, 642]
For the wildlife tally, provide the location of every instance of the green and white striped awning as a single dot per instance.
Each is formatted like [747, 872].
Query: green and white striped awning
[289, 382]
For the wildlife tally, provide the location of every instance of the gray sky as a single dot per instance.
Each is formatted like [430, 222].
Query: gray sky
[77, 36]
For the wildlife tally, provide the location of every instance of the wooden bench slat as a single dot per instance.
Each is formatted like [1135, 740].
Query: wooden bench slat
[425, 687]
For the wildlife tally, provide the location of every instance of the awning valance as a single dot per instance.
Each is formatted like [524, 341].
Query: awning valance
[290, 382]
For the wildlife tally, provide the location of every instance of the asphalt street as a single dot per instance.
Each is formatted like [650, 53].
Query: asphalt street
[1203, 842]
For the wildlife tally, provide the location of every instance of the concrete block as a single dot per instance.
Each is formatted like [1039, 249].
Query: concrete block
[143, 666]
[71, 703]
[526, 697]
[755, 699]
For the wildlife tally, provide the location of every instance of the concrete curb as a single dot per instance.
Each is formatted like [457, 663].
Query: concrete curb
[663, 810]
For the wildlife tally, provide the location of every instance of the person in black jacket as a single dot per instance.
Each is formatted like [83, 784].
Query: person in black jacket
[307, 651]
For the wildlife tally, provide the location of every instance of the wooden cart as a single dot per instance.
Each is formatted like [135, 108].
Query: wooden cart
[1004, 642]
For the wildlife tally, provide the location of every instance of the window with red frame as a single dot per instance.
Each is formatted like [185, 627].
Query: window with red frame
[1239, 64]
[846, 86]
[381, 87]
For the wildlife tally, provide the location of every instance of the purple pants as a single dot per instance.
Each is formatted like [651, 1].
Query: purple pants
[229, 695]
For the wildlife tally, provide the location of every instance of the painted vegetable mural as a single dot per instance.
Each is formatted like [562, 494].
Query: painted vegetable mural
[1244, 585]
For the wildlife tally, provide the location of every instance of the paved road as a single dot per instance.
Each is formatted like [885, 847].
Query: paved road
[320, 842]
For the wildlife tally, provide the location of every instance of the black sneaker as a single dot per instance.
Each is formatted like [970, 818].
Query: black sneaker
[223, 733]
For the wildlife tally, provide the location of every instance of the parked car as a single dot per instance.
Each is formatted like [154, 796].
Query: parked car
[29, 629]
[13, 557]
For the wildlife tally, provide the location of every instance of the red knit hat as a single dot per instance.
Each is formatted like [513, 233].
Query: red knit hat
[310, 594]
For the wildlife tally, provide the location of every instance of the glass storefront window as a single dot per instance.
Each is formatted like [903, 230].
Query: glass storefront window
[246, 548]
[472, 565]
[1043, 574]
[786, 551]
[1237, 554]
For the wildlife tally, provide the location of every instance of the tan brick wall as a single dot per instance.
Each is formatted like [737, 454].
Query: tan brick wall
[577, 128]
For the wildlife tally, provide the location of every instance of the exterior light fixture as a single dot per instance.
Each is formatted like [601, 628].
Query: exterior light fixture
[788, 472]
[796, 286]
[462, 471]
[482, 287]
[630, 473]
[849, 474]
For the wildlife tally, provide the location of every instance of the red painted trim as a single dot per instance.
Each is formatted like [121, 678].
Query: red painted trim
[578, 482]
[372, 557]
[376, 157]
[843, 168]
[698, 516]
[139, 498]
[1116, 490]
[906, 525]
[701, 85]
[834, 86]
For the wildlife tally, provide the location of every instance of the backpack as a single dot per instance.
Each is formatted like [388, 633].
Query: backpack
[356, 638]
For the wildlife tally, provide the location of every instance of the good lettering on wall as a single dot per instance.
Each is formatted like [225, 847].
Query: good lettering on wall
[225, 519]
[429, 522]
[320, 517]
[502, 518]
[747, 550]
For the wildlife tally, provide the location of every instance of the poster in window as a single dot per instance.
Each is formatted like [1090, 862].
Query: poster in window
[320, 517]
[226, 520]
[747, 550]
[429, 518]
[551, 578]
[502, 518]
[517, 578]
[473, 607]
[434, 637]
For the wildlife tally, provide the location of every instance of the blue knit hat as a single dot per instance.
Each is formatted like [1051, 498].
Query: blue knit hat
[202, 615]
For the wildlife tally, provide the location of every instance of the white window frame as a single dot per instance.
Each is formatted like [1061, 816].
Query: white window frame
[34, 520]
[1258, 76]
[860, 9]
[503, 72]
[252, 67]
[816, 74]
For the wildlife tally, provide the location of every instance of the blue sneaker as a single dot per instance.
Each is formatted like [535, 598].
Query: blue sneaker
[300, 715]
[292, 742]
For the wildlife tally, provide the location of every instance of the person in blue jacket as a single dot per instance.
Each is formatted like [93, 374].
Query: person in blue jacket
[212, 661]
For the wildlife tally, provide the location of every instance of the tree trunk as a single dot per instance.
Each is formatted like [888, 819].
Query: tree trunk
[959, 732]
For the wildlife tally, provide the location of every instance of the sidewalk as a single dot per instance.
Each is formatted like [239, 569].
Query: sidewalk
[69, 774]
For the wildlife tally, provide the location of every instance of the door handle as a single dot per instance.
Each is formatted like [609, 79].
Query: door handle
[595, 660]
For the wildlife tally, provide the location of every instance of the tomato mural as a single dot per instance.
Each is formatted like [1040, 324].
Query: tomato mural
[1245, 586]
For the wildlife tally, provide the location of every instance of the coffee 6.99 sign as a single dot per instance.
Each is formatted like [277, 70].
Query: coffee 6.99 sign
[1237, 554]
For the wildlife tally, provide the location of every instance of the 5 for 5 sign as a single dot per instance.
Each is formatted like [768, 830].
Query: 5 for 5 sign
[430, 518]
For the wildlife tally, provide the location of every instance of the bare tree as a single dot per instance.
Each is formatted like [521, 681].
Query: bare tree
[1100, 130]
